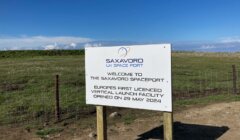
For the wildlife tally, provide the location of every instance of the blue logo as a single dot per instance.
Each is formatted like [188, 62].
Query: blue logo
[123, 52]
[124, 62]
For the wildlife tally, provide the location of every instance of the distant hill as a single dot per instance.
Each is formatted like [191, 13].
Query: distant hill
[32, 53]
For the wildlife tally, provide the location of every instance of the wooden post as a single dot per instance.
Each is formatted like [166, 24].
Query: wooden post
[101, 123]
[168, 125]
[234, 79]
[57, 108]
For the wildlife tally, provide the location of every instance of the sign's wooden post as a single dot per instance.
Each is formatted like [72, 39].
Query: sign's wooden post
[168, 125]
[101, 123]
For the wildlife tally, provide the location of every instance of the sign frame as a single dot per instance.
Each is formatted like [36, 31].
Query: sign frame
[101, 54]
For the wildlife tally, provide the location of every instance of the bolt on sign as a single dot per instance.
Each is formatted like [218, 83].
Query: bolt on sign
[137, 76]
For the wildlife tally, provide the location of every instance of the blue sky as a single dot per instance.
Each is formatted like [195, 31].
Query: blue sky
[72, 22]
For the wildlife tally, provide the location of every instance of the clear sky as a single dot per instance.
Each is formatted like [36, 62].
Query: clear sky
[121, 20]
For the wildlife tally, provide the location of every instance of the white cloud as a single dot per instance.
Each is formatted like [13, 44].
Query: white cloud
[207, 47]
[36, 42]
[92, 45]
[51, 47]
[235, 39]
[73, 45]
[13, 48]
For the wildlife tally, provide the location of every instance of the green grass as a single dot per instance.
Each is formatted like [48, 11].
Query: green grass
[27, 81]
[129, 118]
[33, 53]
[201, 71]
[27, 86]
[206, 100]
[43, 133]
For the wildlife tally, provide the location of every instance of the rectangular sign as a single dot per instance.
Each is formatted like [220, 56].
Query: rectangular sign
[136, 76]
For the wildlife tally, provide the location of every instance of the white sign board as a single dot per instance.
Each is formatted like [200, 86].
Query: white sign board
[136, 76]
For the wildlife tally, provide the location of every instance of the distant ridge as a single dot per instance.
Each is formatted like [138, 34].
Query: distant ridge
[33, 53]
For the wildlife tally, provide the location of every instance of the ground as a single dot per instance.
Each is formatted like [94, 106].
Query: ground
[210, 122]
[217, 121]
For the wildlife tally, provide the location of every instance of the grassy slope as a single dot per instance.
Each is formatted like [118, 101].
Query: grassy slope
[33, 53]
[27, 85]
[199, 71]
[27, 81]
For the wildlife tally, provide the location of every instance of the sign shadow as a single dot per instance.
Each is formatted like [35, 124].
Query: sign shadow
[183, 131]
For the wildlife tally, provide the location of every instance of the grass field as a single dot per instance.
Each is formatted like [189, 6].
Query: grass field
[27, 85]
[27, 81]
